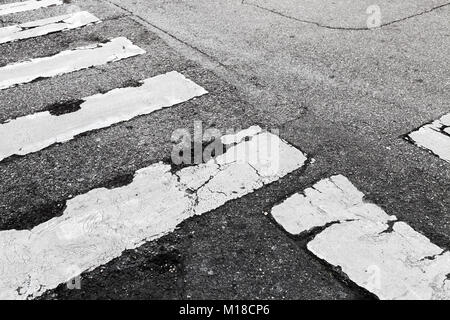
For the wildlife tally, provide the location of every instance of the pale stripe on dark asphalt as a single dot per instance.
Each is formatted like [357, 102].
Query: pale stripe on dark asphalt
[37, 131]
[17, 7]
[434, 137]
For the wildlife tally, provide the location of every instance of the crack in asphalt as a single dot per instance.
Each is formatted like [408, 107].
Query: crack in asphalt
[229, 71]
[318, 24]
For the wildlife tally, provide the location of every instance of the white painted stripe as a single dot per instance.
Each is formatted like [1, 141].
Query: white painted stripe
[40, 130]
[434, 137]
[27, 6]
[397, 263]
[46, 26]
[98, 226]
[67, 61]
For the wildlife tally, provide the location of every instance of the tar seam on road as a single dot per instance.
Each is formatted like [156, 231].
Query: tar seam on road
[344, 28]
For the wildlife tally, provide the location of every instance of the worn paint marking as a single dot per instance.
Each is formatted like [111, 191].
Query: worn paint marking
[37, 131]
[67, 61]
[434, 137]
[17, 7]
[46, 26]
[377, 252]
[98, 226]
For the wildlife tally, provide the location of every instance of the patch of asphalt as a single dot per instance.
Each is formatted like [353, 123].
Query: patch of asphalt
[36, 186]
[282, 107]
[234, 252]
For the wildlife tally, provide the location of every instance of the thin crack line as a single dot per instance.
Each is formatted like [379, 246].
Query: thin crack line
[344, 28]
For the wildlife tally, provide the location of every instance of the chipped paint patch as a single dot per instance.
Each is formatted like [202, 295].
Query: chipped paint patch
[98, 226]
[377, 252]
[434, 137]
[37, 131]
[17, 7]
[46, 26]
[68, 61]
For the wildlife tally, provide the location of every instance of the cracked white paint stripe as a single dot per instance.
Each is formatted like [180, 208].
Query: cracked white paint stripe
[17, 7]
[434, 137]
[37, 131]
[46, 26]
[98, 226]
[377, 252]
[68, 61]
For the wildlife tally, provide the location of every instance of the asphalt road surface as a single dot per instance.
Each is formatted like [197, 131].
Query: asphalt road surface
[350, 201]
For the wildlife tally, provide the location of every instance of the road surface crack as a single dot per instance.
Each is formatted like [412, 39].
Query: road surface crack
[131, 13]
[318, 24]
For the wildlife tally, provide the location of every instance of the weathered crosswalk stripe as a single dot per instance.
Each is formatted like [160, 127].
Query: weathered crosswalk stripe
[376, 251]
[98, 226]
[68, 61]
[46, 26]
[434, 137]
[37, 131]
[16, 7]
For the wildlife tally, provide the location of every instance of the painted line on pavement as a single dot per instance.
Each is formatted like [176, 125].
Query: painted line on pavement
[17, 7]
[377, 252]
[37, 131]
[98, 226]
[68, 61]
[46, 26]
[434, 137]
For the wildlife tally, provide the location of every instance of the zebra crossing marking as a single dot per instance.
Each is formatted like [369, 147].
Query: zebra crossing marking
[434, 137]
[68, 61]
[46, 26]
[37, 131]
[377, 252]
[17, 7]
[98, 226]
